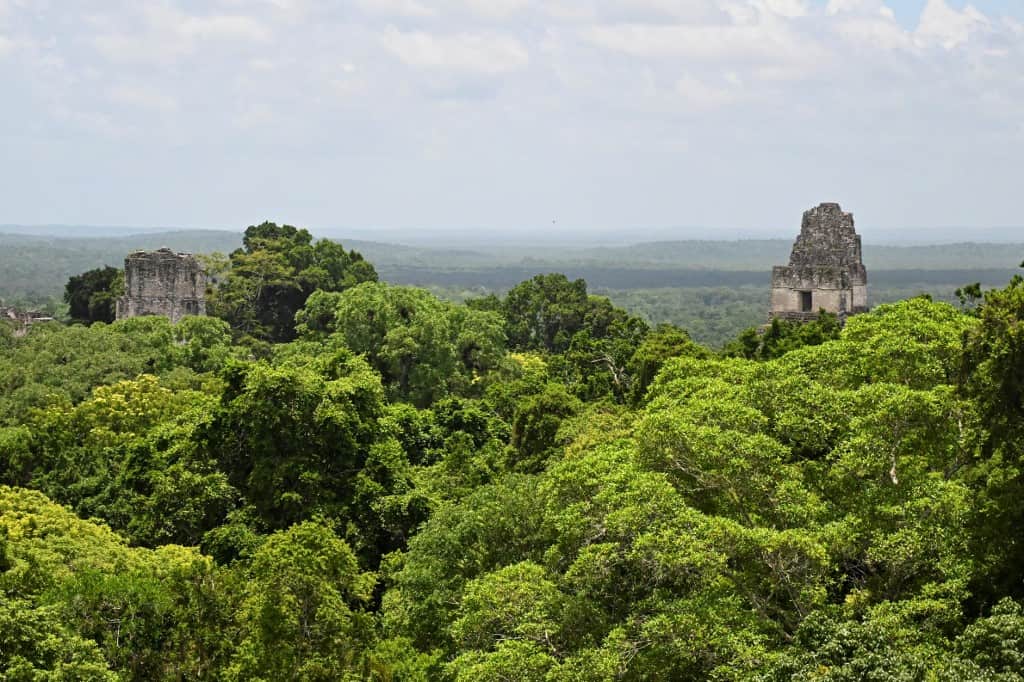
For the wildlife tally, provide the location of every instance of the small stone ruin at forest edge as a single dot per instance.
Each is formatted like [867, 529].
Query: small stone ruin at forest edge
[162, 282]
[825, 270]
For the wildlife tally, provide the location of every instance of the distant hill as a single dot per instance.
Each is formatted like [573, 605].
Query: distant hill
[762, 254]
[34, 268]
[97, 231]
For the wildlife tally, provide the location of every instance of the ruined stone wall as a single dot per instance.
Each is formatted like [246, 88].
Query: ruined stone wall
[162, 282]
[825, 264]
[21, 320]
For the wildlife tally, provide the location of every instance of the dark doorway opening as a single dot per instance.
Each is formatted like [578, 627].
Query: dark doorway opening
[805, 301]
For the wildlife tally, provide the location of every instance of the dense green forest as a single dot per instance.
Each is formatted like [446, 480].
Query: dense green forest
[332, 477]
[713, 289]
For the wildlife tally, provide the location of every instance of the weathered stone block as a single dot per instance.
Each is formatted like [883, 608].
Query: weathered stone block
[162, 282]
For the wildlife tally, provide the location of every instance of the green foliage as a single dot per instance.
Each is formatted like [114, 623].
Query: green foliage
[273, 274]
[92, 296]
[395, 496]
[36, 645]
[53, 363]
[423, 348]
[293, 438]
[303, 610]
[588, 339]
[535, 426]
[663, 343]
[86, 602]
[545, 312]
[783, 336]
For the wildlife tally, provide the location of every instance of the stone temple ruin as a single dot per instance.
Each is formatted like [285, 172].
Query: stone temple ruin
[825, 270]
[162, 282]
[20, 320]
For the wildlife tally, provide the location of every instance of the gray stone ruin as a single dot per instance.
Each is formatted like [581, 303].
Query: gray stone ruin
[21, 320]
[162, 282]
[825, 270]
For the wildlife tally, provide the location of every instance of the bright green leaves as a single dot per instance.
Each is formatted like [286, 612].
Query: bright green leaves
[783, 336]
[916, 343]
[517, 602]
[302, 615]
[35, 644]
[294, 439]
[494, 526]
[125, 455]
[535, 426]
[996, 642]
[663, 343]
[424, 348]
[97, 602]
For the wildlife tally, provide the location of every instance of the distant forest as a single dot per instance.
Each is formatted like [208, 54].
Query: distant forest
[714, 289]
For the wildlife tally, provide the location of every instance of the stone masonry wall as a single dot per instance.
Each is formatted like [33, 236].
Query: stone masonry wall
[825, 264]
[162, 282]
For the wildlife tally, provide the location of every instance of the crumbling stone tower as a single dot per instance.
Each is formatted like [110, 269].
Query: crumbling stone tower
[825, 270]
[162, 282]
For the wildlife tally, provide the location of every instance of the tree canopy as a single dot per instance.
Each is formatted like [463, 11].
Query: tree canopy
[273, 274]
[349, 480]
[92, 296]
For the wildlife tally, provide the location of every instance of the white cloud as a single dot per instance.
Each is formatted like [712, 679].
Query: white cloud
[869, 25]
[164, 34]
[867, 7]
[765, 44]
[699, 94]
[943, 25]
[784, 8]
[223, 27]
[494, 9]
[306, 82]
[396, 8]
[635, 11]
[483, 53]
[144, 97]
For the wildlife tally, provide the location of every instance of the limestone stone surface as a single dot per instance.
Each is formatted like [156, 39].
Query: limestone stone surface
[825, 271]
[162, 282]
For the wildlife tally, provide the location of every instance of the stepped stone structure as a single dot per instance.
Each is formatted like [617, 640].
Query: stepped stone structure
[162, 282]
[825, 270]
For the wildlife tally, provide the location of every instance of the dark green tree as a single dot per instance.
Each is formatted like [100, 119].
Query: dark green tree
[92, 296]
[782, 336]
[424, 348]
[664, 342]
[545, 312]
[273, 274]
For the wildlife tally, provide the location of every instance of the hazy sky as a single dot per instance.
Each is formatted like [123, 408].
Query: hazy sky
[506, 115]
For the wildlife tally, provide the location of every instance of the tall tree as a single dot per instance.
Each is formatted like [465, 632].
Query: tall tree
[92, 295]
[273, 274]
[424, 348]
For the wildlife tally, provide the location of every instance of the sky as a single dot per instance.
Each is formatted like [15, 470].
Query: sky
[685, 118]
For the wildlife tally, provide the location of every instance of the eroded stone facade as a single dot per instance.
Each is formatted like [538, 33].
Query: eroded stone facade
[825, 270]
[162, 282]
